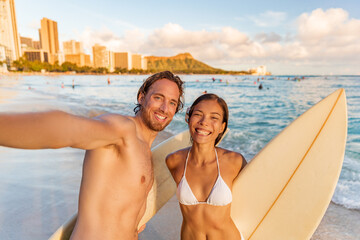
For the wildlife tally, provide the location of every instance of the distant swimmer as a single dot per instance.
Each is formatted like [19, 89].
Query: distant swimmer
[73, 84]
[205, 92]
[108, 80]
[62, 85]
[260, 86]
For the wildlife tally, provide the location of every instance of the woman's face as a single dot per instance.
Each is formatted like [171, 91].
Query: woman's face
[206, 121]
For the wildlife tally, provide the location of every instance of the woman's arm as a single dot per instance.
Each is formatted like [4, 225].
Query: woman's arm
[175, 163]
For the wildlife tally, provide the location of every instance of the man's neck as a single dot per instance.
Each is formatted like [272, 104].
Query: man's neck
[143, 131]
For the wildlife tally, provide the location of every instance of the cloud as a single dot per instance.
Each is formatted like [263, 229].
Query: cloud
[329, 33]
[320, 37]
[175, 36]
[268, 37]
[320, 25]
[269, 19]
[131, 41]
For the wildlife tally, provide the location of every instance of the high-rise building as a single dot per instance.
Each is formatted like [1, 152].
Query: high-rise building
[74, 53]
[111, 61]
[36, 44]
[27, 44]
[73, 47]
[122, 60]
[80, 59]
[101, 56]
[139, 62]
[136, 61]
[261, 70]
[36, 55]
[143, 63]
[49, 38]
[9, 37]
[27, 41]
[2, 54]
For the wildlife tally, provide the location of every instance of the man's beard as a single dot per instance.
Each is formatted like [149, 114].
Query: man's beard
[157, 127]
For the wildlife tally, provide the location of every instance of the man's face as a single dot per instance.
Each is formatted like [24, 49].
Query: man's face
[159, 105]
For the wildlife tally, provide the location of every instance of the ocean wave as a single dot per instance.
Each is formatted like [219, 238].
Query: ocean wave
[347, 192]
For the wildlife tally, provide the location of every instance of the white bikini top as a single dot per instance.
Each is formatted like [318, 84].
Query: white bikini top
[220, 194]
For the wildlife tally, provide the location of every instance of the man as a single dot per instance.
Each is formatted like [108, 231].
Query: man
[117, 170]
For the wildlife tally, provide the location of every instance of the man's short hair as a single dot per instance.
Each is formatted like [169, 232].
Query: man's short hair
[157, 76]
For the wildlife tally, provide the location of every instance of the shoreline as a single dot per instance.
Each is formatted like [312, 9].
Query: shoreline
[111, 74]
[105, 74]
[50, 74]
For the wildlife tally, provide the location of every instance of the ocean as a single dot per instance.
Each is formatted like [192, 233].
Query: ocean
[256, 116]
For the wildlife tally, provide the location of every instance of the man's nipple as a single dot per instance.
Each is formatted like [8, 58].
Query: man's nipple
[143, 179]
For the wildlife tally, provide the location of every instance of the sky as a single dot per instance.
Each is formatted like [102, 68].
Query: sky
[308, 37]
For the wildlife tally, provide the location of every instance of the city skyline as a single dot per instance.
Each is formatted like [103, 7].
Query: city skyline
[315, 37]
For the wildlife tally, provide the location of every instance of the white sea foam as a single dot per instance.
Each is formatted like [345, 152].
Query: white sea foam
[347, 192]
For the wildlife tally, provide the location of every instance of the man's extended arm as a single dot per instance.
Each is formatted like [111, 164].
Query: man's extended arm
[57, 129]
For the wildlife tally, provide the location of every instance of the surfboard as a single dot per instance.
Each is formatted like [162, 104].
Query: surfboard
[284, 191]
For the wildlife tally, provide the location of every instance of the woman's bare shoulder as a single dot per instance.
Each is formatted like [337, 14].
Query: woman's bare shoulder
[174, 159]
[235, 159]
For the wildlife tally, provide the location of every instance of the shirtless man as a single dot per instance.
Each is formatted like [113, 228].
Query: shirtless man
[117, 170]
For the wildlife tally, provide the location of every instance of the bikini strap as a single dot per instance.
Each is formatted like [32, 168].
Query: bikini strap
[217, 161]
[186, 161]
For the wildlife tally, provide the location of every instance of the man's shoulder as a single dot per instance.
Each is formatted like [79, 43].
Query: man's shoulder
[118, 121]
[121, 127]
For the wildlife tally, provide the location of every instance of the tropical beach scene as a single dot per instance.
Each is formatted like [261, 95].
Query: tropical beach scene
[270, 62]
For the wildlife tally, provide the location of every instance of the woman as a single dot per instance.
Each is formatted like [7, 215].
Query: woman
[204, 173]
